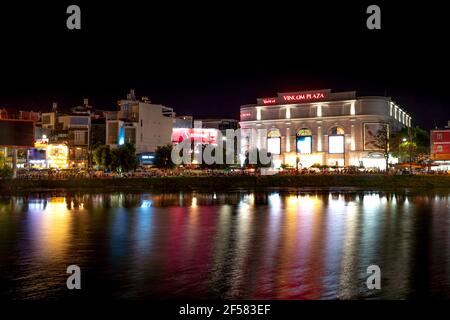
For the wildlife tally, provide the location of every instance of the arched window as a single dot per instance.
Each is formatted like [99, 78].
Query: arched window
[274, 133]
[304, 132]
[337, 130]
[336, 140]
[274, 141]
[303, 141]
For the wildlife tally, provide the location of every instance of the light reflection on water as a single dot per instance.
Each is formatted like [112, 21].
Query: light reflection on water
[272, 245]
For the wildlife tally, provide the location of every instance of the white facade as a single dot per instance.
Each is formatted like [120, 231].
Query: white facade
[141, 123]
[320, 127]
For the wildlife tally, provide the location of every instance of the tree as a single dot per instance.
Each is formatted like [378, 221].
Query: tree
[123, 158]
[102, 157]
[5, 170]
[163, 157]
[411, 144]
[381, 141]
[421, 140]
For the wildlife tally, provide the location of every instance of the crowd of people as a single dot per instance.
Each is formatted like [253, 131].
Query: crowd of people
[53, 174]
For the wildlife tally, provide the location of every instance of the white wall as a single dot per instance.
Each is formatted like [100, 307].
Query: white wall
[153, 129]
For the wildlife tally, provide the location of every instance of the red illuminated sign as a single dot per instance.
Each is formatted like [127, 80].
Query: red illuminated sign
[269, 100]
[202, 135]
[304, 96]
[294, 97]
[245, 115]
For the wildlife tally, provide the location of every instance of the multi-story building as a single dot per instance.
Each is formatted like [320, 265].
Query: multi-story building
[440, 147]
[183, 122]
[98, 128]
[141, 123]
[321, 127]
[71, 129]
[220, 124]
[220, 127]
[18, 133]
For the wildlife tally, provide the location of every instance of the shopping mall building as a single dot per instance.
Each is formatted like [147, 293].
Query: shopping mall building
[321, 127]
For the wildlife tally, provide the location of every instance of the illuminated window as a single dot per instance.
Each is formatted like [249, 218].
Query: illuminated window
[439, 136]
[336, 144]
[304, 144]
[274, 145]
[439, 149]
[304, 141]
[274, 141]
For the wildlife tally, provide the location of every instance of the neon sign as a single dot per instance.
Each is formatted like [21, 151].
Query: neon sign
[245, 115]
[293, 97]
[41, 143]
[269, 100]
[304, 96]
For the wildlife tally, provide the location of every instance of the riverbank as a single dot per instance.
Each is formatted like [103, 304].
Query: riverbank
[222, 183]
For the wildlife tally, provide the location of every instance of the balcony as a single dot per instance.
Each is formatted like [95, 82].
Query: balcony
[126, 116]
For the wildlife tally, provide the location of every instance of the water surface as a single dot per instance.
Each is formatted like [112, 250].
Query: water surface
[270, 245]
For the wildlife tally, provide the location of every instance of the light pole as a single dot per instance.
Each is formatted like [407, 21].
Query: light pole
[410, 149]
[399, 146]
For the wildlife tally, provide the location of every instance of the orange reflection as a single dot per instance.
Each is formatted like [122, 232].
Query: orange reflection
[53, 226]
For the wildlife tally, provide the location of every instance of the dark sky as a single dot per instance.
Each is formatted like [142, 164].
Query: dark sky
[207, 59]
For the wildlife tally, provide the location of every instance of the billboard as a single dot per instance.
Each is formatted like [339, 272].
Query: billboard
[370, 132]
[304, 144]
[57, 156]
[16, 133]
[336, 144]
[200, 135]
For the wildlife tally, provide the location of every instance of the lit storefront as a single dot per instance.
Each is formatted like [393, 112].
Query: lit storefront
[57, 156]
[37, 156]
[321, 128]
[48, 155]
[440, 149]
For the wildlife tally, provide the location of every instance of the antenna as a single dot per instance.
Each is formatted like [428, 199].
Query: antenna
[131, 95]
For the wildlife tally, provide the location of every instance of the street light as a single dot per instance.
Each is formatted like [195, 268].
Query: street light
[410, 148]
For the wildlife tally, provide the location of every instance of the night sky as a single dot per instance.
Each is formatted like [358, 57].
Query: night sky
[207, 59]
